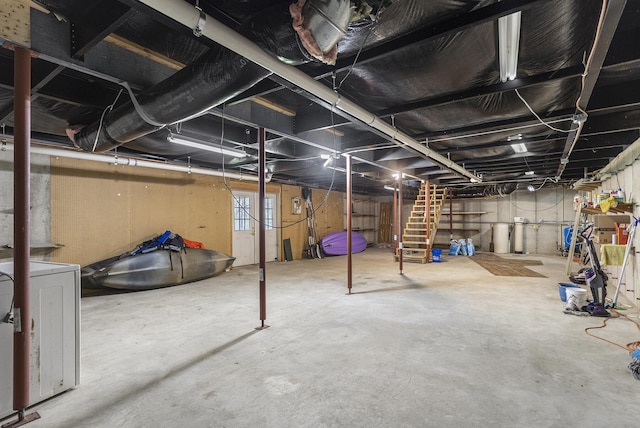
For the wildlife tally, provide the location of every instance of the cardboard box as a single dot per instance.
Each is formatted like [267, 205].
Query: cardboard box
[603, 237]
[605, 222]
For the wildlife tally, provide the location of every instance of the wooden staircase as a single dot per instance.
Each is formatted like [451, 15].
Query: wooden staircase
[414, 236]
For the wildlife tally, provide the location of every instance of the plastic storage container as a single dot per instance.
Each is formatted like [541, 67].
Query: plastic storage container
[436, 255]
[618, 195]
[562, 289]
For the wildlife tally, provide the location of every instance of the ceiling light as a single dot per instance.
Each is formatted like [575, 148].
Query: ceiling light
[329, 158]
[529, 173]
[519, 148]
[201, 146]
[391, 188]
[508, 45]
[531, 188]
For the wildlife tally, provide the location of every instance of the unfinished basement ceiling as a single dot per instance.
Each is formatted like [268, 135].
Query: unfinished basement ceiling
[428, 68]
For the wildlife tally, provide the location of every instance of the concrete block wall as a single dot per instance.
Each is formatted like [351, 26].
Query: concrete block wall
[39, 202]
[547, 212]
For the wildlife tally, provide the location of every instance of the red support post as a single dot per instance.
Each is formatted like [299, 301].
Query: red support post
[450, 215]
[400, 221]
[262, 190]
[427, 218]
[395, 218]
[349, 237]
[21, 235]
[21, 232]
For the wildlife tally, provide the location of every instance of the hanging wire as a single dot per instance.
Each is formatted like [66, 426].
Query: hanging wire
[109, 108]
[540, 119]
[355, 60]
[242, 206]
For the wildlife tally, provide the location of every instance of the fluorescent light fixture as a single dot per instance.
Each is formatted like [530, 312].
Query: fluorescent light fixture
[529, 173]
[531, 188]
[391, 188]
[508, 45]
[200, 146]
[327, 162]
[473, 180]
[519, 148]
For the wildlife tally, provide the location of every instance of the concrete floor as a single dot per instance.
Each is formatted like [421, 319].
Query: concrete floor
[445, 345]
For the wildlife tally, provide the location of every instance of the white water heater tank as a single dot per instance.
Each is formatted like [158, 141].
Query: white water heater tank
[518, 235]
[501, 238]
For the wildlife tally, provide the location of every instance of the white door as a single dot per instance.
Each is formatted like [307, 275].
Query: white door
[246, 243]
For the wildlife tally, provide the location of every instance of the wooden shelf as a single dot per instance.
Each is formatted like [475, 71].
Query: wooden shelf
[463, 212]
[619, 209]
[587, 185]
[37, 245]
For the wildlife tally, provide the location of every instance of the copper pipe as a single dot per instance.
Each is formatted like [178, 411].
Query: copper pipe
[21, 231]
[261, 225]
[349, 237]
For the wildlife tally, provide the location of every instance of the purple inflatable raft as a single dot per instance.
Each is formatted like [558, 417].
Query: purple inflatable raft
[335, 244]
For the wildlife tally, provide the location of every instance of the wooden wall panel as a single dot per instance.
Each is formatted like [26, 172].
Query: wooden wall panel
[101, 210]
[294, 227]
[330, 214]
[16, 22]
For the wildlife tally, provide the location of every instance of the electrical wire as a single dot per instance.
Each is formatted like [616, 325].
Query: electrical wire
[376, 17]
[590, 58]
[12, 298]
[540, 119]
[631, 346]
[242, 207]
[495, 131]
[108, 108]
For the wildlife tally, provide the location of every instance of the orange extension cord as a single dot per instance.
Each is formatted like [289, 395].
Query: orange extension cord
[629, 346]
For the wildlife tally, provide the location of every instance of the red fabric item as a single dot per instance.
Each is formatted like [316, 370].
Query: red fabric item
[192, 244]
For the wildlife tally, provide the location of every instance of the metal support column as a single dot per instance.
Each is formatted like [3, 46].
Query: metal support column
[349, 237]
[427, 218]
[400, 221]
[450, 215]
[262, 190]
[395, 218]
[21, 235]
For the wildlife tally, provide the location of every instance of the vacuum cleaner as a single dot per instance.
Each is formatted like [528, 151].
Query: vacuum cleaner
[595, 277]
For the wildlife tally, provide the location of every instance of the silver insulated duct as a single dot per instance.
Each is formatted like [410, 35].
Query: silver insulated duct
[221, 74]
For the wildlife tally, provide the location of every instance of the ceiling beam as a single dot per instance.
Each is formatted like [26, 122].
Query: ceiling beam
[431, 31]
[97, 21]
[523, 82]
[216, 31]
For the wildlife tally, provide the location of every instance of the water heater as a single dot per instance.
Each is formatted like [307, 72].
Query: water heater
[518, 235]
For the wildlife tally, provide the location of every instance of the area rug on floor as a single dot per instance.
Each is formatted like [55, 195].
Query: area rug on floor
[500, 266]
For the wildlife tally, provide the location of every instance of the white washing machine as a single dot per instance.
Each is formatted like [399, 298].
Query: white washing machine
[55, 332]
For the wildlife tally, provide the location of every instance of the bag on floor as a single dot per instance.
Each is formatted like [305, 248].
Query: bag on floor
[471, 249]
[463, 247]
[454, 247]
